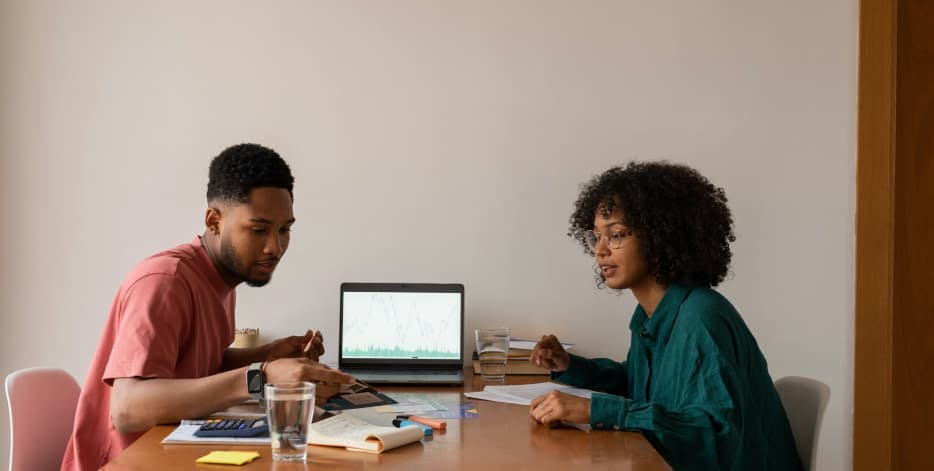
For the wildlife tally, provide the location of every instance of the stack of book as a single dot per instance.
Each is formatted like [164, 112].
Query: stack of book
[517, 361]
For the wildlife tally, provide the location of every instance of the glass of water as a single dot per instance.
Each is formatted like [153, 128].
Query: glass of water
[492, 350]
[289, 410]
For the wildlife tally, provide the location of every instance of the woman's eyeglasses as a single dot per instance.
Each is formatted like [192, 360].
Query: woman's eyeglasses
[614, 240]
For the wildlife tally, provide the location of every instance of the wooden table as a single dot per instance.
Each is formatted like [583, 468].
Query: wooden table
[502, 437]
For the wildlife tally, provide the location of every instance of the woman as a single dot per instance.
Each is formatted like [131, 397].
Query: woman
[695, 382]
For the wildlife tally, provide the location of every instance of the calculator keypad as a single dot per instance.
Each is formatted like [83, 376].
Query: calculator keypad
[232, 428]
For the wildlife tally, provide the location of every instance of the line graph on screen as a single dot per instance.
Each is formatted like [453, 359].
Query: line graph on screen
[401, 325]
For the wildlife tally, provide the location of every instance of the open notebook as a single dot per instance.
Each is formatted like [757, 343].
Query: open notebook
[357, 435]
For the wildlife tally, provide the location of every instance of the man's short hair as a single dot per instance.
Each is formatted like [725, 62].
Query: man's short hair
[240, 168]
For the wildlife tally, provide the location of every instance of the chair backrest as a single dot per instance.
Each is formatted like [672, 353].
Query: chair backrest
[42, 413]
[805, 400]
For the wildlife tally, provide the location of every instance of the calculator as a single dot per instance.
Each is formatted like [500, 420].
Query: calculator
[233, 428]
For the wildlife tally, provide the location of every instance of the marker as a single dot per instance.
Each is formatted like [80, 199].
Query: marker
[433, 423]
[402, 423]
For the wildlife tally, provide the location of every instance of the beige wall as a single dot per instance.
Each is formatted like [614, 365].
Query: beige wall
[431, 141]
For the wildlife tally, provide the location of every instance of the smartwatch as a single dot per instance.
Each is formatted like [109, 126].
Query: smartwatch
[255, 381]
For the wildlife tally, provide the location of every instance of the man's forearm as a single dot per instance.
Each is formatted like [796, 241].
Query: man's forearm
[138, 404]
[239, 357]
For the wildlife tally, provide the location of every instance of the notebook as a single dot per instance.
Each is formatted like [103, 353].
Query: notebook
[402, 332]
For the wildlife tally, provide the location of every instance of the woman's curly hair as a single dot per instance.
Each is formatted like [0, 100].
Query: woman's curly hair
[681, 219]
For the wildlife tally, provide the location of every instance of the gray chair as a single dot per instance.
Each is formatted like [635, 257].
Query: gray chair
[805, 400]
[42, 413]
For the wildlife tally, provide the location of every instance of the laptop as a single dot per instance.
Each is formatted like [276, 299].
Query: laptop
[394, 333]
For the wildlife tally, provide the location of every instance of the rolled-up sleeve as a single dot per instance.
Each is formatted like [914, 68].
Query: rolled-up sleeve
[602, 374]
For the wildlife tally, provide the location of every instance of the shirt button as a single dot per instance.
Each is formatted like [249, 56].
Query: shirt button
[645, 332]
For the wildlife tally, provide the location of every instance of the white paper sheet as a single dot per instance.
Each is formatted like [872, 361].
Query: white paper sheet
[492, 396]
[527, 392]
[526, 344]
[411, 403]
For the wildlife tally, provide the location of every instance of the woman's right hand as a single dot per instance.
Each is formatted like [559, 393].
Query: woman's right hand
[549, 353]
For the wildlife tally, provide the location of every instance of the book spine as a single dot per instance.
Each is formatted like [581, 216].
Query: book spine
[520, 367]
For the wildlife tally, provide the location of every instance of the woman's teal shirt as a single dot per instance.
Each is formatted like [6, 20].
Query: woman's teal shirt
[695, 384]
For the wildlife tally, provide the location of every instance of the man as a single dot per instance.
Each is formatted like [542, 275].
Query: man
[163, 355]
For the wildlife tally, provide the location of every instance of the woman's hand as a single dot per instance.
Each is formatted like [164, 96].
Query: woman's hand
[549, 353]
[554, 407]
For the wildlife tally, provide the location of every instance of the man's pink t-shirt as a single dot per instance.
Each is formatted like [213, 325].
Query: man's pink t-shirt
[173, 317]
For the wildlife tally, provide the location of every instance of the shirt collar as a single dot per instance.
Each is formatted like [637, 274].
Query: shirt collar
[222, 288]
[663, 319]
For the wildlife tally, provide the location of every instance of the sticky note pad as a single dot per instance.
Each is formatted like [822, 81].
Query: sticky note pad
[238, 458]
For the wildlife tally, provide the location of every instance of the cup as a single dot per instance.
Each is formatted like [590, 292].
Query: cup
[492, 350]
[289, 410]
[246, 337]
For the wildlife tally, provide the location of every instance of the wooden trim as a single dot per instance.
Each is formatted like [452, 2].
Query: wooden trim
[913, 313]
[875, 216]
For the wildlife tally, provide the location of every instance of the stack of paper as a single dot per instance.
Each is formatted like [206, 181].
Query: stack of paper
[526, 345]
[518, 362]
[523, 394]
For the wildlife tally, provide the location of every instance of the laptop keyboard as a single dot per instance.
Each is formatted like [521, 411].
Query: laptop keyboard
[397, 373]
[405, 375]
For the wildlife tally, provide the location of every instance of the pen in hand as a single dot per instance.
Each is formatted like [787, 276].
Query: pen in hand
[310, 349]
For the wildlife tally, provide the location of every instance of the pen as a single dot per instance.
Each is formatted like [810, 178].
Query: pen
[402, 423]
[311, 342]
[433, 423]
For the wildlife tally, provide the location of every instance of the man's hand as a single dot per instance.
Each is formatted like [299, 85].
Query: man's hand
[549, 353]
[303, 369]
[555, 406]
[323, 392]
[311, 346]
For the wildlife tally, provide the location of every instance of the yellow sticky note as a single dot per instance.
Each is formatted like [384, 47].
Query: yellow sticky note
[238, 458]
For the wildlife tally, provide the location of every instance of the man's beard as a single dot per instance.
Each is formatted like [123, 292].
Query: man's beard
[232, 263]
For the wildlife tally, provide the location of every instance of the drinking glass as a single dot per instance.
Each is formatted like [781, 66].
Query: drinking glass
[289, 409]
[492, 350]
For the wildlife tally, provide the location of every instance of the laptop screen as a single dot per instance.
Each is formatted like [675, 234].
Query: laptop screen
[401, 324]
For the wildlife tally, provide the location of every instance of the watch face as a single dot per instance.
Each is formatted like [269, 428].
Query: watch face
[255, 383]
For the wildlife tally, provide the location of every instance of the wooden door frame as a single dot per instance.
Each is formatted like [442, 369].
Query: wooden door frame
[875, 215]
[893, 357]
